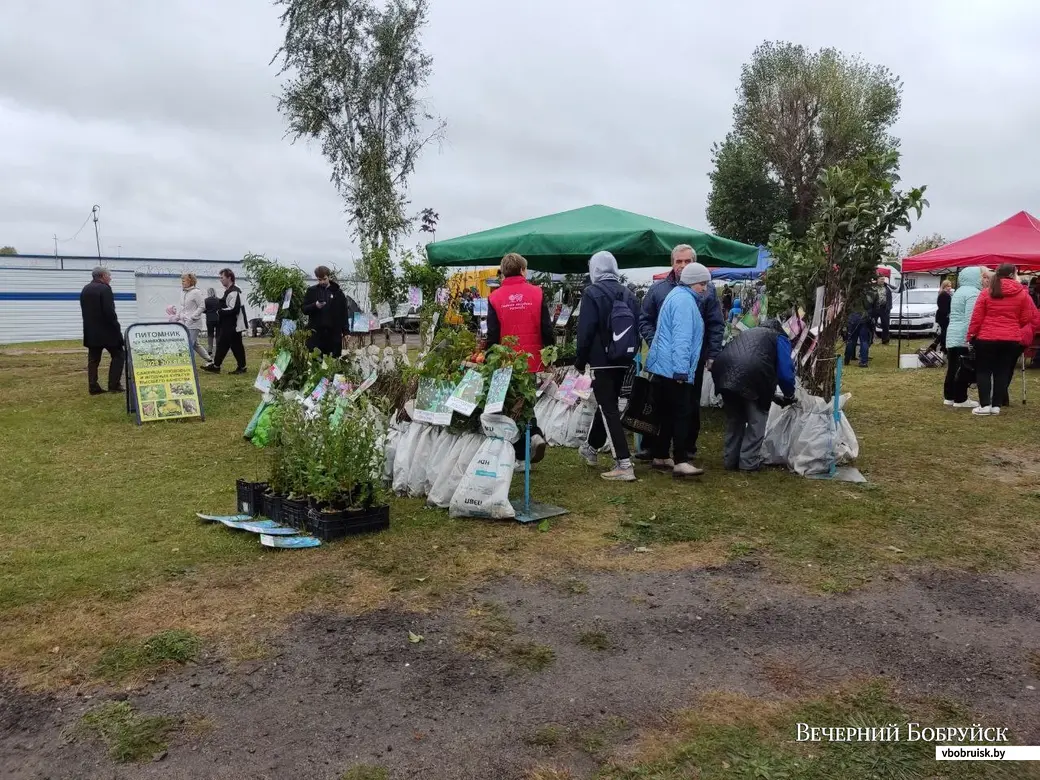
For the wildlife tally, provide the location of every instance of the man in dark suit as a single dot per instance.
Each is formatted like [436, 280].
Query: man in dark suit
[101, 330]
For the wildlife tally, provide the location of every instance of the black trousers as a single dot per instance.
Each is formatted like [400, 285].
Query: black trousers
[694, 430]
[695, 410]
[328, 342]
[886, 316]
[212, 330]
[606, 385]
[674, 400]
[520, 447]
[115, 369]
[230, 339]
[955, 386]
[994, 369]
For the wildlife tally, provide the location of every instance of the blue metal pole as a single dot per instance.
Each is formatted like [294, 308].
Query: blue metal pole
[837, 414]
[527, 470]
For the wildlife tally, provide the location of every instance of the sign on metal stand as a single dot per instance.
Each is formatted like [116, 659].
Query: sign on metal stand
[162, 381]
[528, 511]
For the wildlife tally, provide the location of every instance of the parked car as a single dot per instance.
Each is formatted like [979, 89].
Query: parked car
[917, 316]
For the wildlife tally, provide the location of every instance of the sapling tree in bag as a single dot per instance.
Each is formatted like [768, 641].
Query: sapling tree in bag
[484, 489]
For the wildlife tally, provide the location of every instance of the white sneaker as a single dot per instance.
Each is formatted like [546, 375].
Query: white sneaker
[969, 404]
[994, 410]
[684, 470]
[619, 474]
[589, 455]
[948, 402]
[982, 411]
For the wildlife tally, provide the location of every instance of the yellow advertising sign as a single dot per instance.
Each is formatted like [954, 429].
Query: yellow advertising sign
[164, 384]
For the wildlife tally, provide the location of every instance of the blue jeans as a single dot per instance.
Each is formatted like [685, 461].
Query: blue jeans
[859, 329]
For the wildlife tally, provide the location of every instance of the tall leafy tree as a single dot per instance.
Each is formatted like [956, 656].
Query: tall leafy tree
[858, 210]
[798, 113]
[745, 203]
[926, 244]
[355, 70]
[8, 250]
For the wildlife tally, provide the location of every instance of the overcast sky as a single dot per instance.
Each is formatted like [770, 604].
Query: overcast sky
[164, 114]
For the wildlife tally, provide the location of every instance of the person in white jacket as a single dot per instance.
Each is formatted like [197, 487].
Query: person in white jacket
[192, 313]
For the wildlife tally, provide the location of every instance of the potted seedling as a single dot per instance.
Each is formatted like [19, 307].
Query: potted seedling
[344, 478]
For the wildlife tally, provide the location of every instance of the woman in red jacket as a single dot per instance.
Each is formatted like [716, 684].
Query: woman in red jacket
[1000, 328]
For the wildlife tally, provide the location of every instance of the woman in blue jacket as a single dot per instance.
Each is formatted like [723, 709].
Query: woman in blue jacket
[962, 304]
[673, 358]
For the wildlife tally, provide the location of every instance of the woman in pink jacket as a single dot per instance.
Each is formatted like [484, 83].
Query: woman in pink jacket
[1001, 327]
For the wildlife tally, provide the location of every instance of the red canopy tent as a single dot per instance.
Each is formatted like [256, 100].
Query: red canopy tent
[1015, 240]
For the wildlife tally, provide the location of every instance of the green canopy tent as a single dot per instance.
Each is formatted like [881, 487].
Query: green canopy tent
[563, 243]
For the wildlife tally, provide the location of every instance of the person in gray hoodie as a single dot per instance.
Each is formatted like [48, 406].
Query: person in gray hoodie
[608, 340]
[962, 304]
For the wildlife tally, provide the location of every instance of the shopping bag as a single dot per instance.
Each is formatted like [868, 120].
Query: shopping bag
[484, 489]
[640, 415]
[966, 368]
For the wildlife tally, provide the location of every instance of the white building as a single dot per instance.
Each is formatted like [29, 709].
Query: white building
[39, 294]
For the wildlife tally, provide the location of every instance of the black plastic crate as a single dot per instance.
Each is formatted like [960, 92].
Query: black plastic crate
[294, 513]
[273, 507]
[251, 497]
[349, 522]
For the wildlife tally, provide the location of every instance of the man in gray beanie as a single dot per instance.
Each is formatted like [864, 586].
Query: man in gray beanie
[608, 340]
[714, 329]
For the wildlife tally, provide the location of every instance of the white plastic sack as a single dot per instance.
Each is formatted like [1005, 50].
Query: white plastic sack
[390, 453]
[820, 440]
[484, 489]
[708, 395]
[579, 422]
[439, 462]
[554, 426]
[782, 428]
[424, 444]
[454, 469]
[403, 456]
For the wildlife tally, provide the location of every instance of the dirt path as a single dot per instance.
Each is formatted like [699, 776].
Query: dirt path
[340, 691]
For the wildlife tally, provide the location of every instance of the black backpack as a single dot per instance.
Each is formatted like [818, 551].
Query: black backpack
[621, 339]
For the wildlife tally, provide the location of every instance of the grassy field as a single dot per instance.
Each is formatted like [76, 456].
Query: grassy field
[100, 549]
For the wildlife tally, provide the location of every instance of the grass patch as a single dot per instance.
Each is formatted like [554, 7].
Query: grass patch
[366, 772]
[575, 587]
[595, 640]
[492, 635]
[737, 738]
[165, 647]
[93, 544]
[529, 655]
[549, 735]
[127, 735]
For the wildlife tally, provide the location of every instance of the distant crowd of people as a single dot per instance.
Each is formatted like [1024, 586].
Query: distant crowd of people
[223, 318]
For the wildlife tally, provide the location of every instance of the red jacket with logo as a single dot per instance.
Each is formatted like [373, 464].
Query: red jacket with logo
[518, 308]
[1003, 319]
